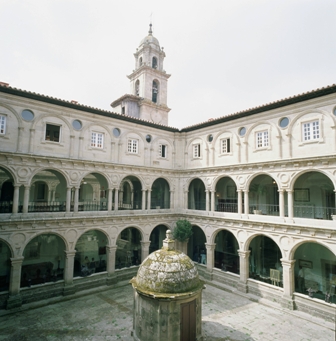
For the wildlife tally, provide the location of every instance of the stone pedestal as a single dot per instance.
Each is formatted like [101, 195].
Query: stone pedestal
[14, 302]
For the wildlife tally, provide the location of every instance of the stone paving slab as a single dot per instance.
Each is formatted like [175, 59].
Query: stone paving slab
[107, 315]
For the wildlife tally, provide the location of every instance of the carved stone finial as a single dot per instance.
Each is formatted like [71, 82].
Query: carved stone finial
[169, 242]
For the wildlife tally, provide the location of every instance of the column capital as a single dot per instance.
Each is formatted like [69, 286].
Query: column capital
[289, 191]
[210, 246]
[70, 254]
[16, 261]
[244, 254]
[287, 263]
[145, 243]
[111, 248]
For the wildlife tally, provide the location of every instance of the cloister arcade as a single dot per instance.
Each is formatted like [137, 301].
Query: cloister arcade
[44, 258]
[310, 195]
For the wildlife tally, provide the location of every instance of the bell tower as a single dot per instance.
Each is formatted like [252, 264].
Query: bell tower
[148, 92]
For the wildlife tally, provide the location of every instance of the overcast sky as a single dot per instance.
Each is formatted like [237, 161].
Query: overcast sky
[224, 56]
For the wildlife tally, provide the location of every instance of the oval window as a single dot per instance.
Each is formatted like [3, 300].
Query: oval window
[242, 131]
[148, 138]
[210, 138]
[284, 122]
[77, 124]
[27, 115]
[116, 132]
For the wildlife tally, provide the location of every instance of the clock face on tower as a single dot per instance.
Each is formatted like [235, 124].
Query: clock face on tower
[156, 116]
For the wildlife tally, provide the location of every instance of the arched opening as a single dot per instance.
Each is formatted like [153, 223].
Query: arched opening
[47, 192]
[155, 91]
[91, 253]
[5, 266]
[226, 195]
[128, 248]
[93, 193]
[130, 194]
[314, 196]
[6, 191]
[264, 196]
[156, 238]
[44, 260]
[196, 245]
[154, 63]
[137, 88]
[196, 195]
[226, 252]
[265, 261]
[160, 196]
[140, 61]
[315, 271]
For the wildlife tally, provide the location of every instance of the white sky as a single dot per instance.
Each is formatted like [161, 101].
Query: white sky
[224, 55]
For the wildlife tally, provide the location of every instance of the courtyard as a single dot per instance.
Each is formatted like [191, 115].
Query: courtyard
[107, 315]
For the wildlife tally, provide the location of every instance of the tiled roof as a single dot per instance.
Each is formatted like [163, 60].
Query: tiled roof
[269, 106]
[5, 88]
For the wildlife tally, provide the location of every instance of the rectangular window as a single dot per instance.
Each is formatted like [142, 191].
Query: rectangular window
[225, 146]
[262, 139]
[52, 133]
[132, 146]
[196, 150]
[2, 124]
[97, 140]
[163, 150]
[311, 131]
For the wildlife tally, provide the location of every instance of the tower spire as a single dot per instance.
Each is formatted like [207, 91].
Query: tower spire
[150, 29]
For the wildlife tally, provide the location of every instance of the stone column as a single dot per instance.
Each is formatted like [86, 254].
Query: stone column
[171, 203]
[110, 264]
[68, 199]
[244, 270]
[16, 199]
[207, 206]
[149, 199]
[109, 200]
[288, 282]
[14, 299]
[110, 258]
[240, 201]
[210, 259]
[143, 199]
[185, 206]
[69, 288]
[281, 204]
[290, 204]
[26, 199]
[246, 203]
[212, 200]
[116, 199]
[76, 199]
[144, 250]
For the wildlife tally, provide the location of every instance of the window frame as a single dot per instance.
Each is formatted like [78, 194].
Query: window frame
[196, 151]
[228, 148]
[310, 124]
[94, 142]
[132, 146]
[163, 151]
[3, 124]
[263, 137]
[52, 133]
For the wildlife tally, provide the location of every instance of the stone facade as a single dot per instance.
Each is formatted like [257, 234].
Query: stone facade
[87, 182]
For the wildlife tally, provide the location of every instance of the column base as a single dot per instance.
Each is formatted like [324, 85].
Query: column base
[208, 275]
[242, 287]
[111, 279]
[14, 302]
[69, 290]
[287, 302]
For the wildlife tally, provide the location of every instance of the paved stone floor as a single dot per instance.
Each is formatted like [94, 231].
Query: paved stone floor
[107, 315]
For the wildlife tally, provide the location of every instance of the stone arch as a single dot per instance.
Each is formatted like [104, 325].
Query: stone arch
[160, 193]
[53, 169]
[60, 117]
[8, 245]
[105, 127]
[298, 174]
[196, 244]
[13, 111]
[294, 248]
[252, 177]
[31, 237]
[156, 236]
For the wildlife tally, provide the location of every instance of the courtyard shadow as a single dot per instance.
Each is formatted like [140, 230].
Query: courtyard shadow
[213, 331]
